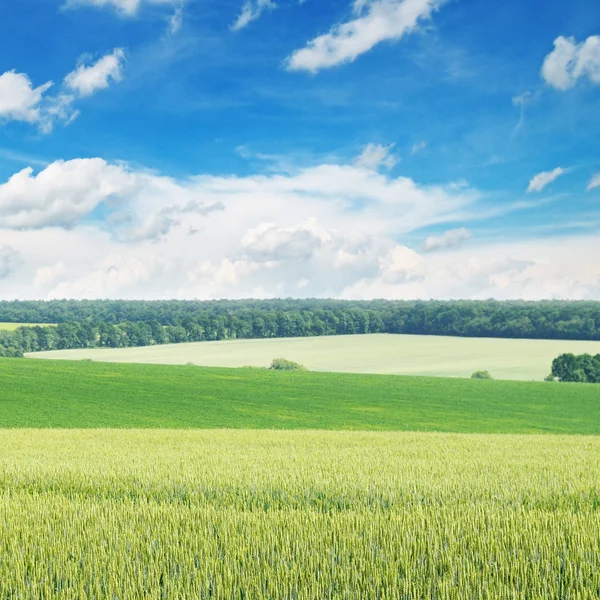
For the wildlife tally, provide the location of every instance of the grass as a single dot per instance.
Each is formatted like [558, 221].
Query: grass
[268, 514]
[13, 326]
[393, 354]
[92, 395]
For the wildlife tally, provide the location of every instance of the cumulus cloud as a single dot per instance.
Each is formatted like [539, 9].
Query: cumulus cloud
[61, 194]
[45, 276]
[66, 192]
[86, 80]
[89, 228]
[252, 10]
[402, 265]
[376, 21]
[541, 180]
[19, 99]
[570, 61]
[112, 276]
[284, 260]
[375, 155]
[162, 222]
[449, 239]
[9, 261]
[594, 182]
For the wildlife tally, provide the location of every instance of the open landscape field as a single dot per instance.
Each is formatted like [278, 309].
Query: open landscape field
[384, 353]
[14, 326]
[174, 481]
[270, 514]
[88, 394]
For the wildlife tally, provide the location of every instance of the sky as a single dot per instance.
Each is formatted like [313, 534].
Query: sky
[358, 149]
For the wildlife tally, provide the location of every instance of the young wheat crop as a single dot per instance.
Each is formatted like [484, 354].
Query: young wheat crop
[268, 514]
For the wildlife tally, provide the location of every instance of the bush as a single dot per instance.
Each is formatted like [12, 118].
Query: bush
[550, 378]
[481, 375]
[282, 364]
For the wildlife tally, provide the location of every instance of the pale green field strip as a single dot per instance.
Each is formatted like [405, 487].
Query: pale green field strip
[270, 514]
[384, 353]
[14, 326]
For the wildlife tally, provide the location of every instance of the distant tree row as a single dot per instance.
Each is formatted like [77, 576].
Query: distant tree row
[584, 368]
[118, 324]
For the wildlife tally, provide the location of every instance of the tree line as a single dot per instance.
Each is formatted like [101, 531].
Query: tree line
[118, 324]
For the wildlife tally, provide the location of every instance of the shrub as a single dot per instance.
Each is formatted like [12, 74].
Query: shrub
[481, 375]
[549, 378]
[282, 364]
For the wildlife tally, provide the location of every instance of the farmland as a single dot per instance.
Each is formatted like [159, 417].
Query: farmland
[268, 514]
[14, 326]
[67, 394]
[519, 359]
[179, 481]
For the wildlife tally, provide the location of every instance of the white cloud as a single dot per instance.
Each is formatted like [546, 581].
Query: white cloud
[449, 239]
[64, 193]
[418, 147]
[159, 224]
[377, 21]
[541, 180]
[61, 194]
[19, 100]
[88, 228]
[126, 8]
[9, 261]
[112, 276]
[594, 182]
[375, 155]
[45, 276]
[86, 80]
[570, 61]
[252, 10]
[402, 265]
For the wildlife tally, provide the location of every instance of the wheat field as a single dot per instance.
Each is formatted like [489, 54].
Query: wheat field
[303, 514]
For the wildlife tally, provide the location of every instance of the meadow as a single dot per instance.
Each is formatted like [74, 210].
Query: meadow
[302, 514]
[14, 326]
[82, 394]
[518, 359]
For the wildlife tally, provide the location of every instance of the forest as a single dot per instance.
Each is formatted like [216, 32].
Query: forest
[119, 323]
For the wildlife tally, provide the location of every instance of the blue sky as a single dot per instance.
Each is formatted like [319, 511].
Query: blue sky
[366, 148]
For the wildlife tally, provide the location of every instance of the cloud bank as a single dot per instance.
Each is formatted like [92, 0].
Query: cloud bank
[88, 228]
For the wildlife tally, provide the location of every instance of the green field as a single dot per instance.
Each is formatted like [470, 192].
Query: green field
[13, 326]
[267, 514]
[393, 354]
[171, 481]
[87, 394]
